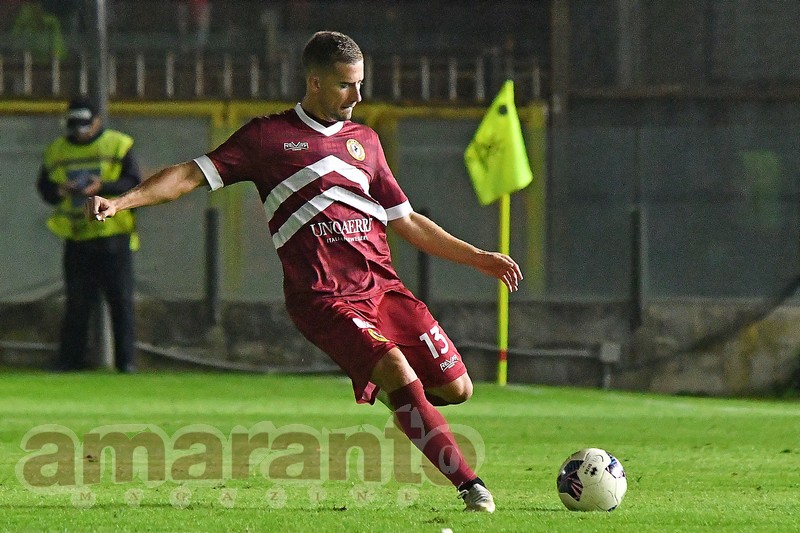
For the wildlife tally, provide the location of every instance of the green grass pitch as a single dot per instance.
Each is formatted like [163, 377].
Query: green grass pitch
[693, 464]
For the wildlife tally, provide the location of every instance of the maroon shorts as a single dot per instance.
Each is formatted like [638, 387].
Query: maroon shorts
[357, 333]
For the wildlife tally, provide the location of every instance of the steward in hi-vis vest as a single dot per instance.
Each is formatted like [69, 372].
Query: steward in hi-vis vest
[69, 163]
[98, 258]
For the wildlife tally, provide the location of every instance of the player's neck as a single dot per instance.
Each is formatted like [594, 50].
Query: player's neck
[309, 110]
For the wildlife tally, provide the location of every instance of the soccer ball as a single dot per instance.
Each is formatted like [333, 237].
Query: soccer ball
[591, 480]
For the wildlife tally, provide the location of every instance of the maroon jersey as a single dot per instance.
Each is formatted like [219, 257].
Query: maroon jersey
[328, 194]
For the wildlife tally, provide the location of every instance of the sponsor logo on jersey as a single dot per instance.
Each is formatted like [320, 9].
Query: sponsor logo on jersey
[447, 364]
[295, 147]
[377, 336]
[343, 230]
[356, 150]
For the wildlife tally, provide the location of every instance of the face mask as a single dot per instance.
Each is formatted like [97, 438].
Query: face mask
[78, 130]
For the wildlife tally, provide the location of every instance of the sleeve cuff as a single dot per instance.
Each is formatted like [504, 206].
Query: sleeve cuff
[210, 171]
[399, 211]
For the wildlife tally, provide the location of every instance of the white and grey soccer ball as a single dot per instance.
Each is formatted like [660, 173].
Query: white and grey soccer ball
[591, 480]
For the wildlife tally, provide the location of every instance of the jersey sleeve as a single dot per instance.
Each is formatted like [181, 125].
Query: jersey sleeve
[233, 160]
[386, 190]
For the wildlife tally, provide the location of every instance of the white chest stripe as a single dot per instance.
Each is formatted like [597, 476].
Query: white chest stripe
[321, 202]
[300, 179]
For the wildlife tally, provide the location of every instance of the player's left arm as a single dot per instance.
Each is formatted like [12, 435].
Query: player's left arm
[429, 237]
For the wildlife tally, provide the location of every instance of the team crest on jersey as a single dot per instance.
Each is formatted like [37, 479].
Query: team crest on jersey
[356, 150]
[377, 336]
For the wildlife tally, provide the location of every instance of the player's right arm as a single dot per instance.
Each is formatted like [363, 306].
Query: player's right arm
[164, 186]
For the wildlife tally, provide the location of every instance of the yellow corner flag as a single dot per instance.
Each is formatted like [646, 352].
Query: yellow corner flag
[496, 158]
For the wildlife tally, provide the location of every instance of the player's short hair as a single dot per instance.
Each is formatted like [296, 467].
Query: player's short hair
[326, 48]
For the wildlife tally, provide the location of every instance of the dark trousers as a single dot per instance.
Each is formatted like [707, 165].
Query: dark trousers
[91, 269]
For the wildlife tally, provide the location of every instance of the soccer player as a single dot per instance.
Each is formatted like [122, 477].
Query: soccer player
[329, 196]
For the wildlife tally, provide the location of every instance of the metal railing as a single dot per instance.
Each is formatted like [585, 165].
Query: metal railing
[171, 75]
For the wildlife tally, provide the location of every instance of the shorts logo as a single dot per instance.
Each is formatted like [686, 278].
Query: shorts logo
[356, 150]
[447, 364]
[377, 336]
[295, 147]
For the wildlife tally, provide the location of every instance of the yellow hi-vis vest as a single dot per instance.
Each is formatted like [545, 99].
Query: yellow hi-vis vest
[66, 161]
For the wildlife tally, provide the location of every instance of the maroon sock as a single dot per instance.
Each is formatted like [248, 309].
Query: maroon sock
[428, 430]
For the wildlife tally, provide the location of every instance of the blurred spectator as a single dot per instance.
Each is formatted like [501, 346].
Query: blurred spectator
[70, 14]
[39, 32]
[194, 16]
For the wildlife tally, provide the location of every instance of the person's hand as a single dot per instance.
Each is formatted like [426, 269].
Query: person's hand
[87, 187]
[92, 187]
[68, 188]
[502, 267]
[99, 208]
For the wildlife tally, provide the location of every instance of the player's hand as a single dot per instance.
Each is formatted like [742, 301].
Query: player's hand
[99, 208]
[502, 267]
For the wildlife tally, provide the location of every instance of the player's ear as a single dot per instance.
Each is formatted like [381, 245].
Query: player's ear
[314, 82]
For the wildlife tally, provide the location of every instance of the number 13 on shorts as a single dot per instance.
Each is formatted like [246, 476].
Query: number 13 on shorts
[435, 341]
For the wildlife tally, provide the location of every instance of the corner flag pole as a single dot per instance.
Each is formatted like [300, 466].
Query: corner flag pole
[497, 162]
[502, 292]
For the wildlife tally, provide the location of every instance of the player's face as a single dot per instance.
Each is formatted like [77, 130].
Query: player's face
[339, 90]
